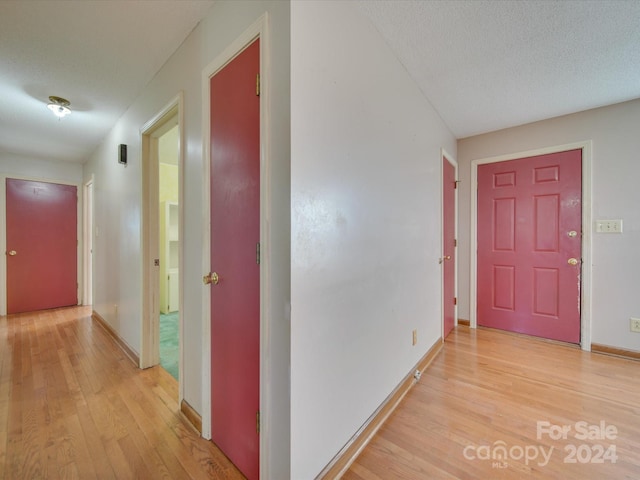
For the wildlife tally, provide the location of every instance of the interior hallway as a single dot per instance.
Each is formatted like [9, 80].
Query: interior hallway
[72, 405]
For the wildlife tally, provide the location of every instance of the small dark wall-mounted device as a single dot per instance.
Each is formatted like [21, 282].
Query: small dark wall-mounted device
[122, 154]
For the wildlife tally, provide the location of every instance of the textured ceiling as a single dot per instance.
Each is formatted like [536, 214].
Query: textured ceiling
[487, 65]
[97, 54]
[484, 65]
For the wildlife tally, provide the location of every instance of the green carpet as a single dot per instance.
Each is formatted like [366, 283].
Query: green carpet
[169, 349]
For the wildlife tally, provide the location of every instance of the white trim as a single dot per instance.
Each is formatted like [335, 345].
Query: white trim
[259, 29]
[444, 155]
[3, 247]
[3, 233]
[181, 238]
[585, 311]
[87, 228]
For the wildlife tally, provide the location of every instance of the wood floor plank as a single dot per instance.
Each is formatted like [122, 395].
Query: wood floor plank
[489, 389]
[73, 405]
[95, 444]
[80, 455]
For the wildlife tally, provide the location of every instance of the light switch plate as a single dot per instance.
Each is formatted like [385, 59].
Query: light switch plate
[608, 226]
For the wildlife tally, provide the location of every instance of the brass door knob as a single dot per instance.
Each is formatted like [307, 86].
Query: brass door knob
[572, 261]
[446, 257]
[211, 278]
[13, 253]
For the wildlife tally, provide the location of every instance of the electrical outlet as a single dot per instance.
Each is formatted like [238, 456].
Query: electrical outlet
[415, 337]
[635, 324]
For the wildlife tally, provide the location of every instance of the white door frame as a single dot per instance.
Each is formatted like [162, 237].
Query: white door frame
[87, 298]
[150, 132]
[444, 155]
[585, 301]
[3, 234]
[257, 30]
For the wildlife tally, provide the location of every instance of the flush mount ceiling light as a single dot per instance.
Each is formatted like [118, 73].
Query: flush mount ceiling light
[59, 106]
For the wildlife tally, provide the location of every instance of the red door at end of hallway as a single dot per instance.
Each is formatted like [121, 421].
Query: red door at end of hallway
[235, 237]
[41, 245]
[529, 245]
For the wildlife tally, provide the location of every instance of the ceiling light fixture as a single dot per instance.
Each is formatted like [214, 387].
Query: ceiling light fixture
[59, 106]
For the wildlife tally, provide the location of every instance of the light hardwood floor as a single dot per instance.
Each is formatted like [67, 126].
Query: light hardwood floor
[488, 389]
[73, 406]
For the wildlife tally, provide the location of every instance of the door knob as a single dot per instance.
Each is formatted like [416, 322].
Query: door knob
[211, 278]
[572, 261]
[13, 253]
[446, 257]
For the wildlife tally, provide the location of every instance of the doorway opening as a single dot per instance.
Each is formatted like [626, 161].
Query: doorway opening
[168, 197]
[162, 233]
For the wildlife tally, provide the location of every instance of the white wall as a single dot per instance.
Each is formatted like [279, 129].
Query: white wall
[365, 232]
[18, 166]
[615, 194]
[117, 267]
[42, 169]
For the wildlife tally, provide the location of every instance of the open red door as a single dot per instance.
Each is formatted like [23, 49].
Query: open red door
[235, 237]
[529, 245]
[41, 245]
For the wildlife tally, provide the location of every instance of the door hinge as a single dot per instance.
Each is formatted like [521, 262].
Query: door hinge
[455, 242]
[258, 421]
[455, 183]
[455, 300]
[258, 253]
[258, 85]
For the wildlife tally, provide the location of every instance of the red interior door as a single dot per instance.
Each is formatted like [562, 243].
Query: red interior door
[529, 245]
[41, 245]
[449, 245]
[235, 233]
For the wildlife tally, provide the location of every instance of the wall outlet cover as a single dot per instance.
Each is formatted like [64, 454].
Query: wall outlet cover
[609, 226]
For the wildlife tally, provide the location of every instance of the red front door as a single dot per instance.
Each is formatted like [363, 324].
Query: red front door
[449, 245]
[41, 245]
[235, 233]
[529, 245]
